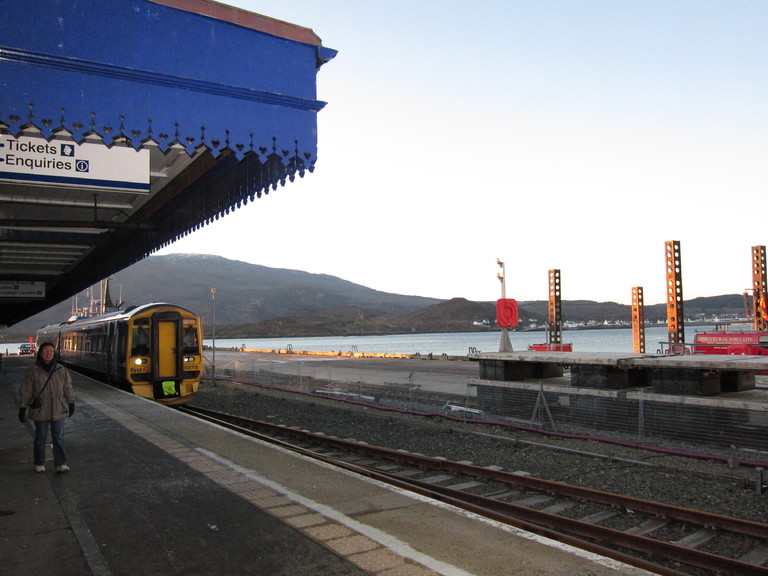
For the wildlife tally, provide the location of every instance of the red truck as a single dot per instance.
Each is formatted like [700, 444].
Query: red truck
[731, 341]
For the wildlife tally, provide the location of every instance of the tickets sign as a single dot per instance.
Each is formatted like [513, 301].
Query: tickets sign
[38, 161]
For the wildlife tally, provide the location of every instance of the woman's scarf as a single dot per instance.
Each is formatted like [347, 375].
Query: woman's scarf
[48, 367]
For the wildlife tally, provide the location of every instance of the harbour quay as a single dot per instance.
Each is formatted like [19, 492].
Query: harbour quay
[720, 400]
[688, 374]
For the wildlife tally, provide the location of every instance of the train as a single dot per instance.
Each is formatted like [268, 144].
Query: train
[152, 350]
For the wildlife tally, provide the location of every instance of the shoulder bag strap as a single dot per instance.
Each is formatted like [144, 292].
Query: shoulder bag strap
[43, 388]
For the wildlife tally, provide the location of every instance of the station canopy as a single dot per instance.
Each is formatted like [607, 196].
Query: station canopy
[125, 125]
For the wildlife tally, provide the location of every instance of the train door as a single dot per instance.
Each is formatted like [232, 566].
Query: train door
[167, 354]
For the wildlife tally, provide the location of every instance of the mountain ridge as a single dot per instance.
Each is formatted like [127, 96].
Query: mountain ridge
[254, 300]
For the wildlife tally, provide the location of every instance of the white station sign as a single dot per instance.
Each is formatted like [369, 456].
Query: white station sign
[21, 289]
[59, 163]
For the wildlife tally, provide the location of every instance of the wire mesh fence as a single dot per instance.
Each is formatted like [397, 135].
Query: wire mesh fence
[632, 415]
[637, 415]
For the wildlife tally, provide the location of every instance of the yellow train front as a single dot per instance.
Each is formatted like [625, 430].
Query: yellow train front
[153, 350]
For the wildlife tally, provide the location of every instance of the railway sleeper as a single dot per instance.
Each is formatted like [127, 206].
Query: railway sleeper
[502, 494]
[559, 507]
[534, 500]
[758, 556]
[366, 461]
[647, 527]
[410, 472]
[698, 538]
[466, 485]
[599, 517]
[387, 467]
[438, 479]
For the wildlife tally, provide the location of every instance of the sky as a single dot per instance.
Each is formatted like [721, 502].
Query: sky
[570, 135]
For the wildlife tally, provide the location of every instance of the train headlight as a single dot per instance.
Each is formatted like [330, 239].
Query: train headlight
[189, 358]
[140, 361]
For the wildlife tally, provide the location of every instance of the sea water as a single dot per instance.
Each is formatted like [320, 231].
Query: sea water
[460, 343]
[452, 344]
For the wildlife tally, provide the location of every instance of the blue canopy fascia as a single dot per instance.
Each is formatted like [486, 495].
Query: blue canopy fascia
[135, 71]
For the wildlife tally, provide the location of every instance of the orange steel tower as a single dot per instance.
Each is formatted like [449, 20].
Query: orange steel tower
[638, 320]
[759, 288]
[555, 309]
[675, 318]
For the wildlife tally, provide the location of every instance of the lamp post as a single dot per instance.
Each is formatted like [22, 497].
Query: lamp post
[501, 276]
[213, 362]
[505, 345]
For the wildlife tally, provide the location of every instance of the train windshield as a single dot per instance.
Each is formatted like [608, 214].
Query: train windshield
[140, 338]
[189, 339]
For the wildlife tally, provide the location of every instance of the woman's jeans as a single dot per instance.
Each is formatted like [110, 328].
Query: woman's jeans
[57, 435]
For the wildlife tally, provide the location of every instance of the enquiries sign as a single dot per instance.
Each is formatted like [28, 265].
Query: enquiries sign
[37, 161]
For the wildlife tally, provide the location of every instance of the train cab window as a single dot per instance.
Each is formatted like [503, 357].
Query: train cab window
[189, 340]
[140, 341]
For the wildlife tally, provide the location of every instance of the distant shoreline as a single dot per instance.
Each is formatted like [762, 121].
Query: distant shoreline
[16, 338]
[221, 331]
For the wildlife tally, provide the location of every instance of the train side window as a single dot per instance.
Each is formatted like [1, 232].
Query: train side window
[140, 341]
[120, 342]
[88, 342]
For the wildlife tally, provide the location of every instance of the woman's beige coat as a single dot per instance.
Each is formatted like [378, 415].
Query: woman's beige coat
[56, 396]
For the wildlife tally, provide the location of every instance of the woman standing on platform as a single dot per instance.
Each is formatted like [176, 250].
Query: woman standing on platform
[47, 390]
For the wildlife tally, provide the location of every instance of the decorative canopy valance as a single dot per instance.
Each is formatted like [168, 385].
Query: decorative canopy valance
[137, 71]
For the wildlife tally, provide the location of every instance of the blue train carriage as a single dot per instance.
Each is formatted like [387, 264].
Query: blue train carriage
[153, 350]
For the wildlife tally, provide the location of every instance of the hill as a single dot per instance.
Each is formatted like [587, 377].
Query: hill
[456, 315]
[461, 315]
[587, 310]
[253, 300]
[245, 293]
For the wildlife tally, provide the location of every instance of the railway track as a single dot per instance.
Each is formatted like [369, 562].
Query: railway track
[660, 538]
